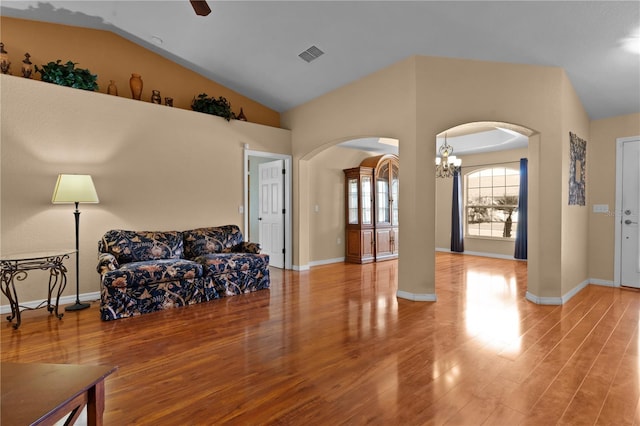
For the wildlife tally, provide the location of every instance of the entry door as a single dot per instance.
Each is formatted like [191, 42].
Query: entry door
[271, 212]
[630, 253]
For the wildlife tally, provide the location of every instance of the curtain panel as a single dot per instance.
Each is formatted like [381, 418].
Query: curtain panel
[457, 234]
[521, 232]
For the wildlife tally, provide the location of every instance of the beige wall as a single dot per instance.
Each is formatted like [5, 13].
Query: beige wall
[575, 219]
[444, 189]
[47, 130]
[601, 189]
[459, 91]
[413, 101]
[154, 167]
[326, 179]
[112, 57]
[327, 225]
[374, 106]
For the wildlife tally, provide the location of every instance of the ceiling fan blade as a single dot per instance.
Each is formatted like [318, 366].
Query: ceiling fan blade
[200, 7]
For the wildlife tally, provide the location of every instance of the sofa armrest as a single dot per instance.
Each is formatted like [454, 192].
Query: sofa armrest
[244, 247]
[106, 262]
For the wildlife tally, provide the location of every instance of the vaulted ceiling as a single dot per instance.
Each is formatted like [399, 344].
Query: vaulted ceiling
[253, 46]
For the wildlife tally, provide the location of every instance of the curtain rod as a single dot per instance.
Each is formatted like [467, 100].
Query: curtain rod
[491, 164]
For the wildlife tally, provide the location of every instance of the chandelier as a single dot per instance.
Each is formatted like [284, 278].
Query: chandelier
[447, 165]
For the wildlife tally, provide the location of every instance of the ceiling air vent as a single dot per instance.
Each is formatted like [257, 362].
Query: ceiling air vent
[311, 53]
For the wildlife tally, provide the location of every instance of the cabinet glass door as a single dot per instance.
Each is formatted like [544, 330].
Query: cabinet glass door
[352, 199]
[395, 187]
[382, 189]
[366, 200]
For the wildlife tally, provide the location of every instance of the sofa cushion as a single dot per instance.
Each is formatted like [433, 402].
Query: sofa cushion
[140, 246]
[220, 263]
[201, 241]
[244, 247]
[138, 274]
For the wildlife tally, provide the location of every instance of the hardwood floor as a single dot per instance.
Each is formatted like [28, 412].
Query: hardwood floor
[335, 346]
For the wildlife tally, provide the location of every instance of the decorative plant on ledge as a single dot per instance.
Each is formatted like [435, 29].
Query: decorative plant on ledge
[68, 75]
[220, 107]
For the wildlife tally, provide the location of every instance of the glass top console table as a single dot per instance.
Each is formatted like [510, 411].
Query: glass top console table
[15, 268]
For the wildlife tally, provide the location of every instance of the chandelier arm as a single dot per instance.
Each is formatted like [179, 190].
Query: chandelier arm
[446, 169]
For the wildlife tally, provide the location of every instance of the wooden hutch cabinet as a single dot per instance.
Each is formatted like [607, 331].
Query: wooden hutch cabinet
[371, 203]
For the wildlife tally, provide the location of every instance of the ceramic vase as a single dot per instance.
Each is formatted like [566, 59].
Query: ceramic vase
[241, 116]
[135, 82]
[155, 97]
[5, 64]
[27, 66]
[112, 89]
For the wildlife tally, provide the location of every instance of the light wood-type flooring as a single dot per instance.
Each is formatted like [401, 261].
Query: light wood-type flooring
[334, 345]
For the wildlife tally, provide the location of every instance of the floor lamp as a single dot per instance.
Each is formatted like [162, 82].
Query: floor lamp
[75, 189]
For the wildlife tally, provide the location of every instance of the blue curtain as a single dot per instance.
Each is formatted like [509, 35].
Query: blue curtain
[521, 232]
[457, 241]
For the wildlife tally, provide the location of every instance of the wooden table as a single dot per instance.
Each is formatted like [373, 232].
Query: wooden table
[42, 394]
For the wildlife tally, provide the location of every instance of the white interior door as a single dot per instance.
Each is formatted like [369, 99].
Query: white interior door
[271, 213]
[630, 241]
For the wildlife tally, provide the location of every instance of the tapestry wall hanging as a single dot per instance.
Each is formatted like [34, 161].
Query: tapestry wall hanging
[577, 170]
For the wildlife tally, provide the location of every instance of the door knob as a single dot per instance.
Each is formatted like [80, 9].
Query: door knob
[629, 222]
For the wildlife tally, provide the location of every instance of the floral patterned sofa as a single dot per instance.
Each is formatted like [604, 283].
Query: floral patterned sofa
[143, 271]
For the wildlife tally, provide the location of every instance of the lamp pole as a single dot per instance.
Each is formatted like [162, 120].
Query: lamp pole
[75, 189]
[78, 305]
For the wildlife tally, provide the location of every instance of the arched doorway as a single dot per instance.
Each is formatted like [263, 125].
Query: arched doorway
[326, 198]
[487, 148]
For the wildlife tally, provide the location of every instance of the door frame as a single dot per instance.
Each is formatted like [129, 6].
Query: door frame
[617, 270]
[288, 256]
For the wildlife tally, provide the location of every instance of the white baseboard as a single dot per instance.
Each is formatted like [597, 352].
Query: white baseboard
[64, 300]
[543, 300]
[426, 297]
[300, 267]
[326, 261]
[558, 300]
[605, 283]
[87, 297]
[577, 289]
[481, 254]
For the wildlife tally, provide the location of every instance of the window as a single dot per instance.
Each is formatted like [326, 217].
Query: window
[491, 203]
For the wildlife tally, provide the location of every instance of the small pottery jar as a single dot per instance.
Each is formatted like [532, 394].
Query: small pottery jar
[112, 89]
[241, 116]
[168, 101]
[5, 64]
[135, 82]
[155, 97]
[27, 66]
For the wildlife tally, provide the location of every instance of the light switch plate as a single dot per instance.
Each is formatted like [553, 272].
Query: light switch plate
[601, 208]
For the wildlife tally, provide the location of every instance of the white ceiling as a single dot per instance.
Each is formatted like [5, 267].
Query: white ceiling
[480, 141]
[497, 139]
[253, 46]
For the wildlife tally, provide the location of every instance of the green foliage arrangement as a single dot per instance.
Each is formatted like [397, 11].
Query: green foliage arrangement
[220, 107]
[68, 75]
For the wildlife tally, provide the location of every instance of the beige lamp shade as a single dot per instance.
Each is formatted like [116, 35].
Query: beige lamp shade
[74, 189]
